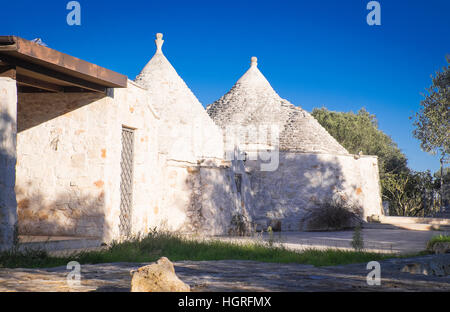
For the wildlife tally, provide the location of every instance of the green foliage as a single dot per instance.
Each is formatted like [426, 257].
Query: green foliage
[357, 240]
[359, 133]
[28, 258]
[178, 248]
[432, 122]
[410, 193]
[446, 176]
[271, 240]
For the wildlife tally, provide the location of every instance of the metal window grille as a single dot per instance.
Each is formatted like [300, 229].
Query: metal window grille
[126, 182]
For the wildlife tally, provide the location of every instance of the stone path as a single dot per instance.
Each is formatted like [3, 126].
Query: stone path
[376, 240]
[236, 276]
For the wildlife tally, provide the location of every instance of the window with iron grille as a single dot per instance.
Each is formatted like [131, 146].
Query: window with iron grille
[126, 182]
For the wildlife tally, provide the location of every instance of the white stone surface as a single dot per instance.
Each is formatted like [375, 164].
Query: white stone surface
[69, 153]
[68, 172]
[302, 179]
[313, 166]
[186, 132]
[197, 190]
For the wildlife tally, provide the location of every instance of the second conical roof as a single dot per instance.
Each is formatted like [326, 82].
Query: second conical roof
[252, 102]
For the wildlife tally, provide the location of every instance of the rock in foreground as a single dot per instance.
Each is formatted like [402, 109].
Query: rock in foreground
[157, 277]
[441, 248]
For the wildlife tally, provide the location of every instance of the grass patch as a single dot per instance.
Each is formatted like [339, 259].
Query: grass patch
[177, 248]
[438, 239]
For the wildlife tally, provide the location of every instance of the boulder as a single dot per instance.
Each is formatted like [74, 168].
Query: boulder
[439, 265]
[157, 277]
[441, 248]
[374, 219]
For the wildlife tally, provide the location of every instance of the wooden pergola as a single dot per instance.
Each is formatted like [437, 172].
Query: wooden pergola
[37, 68]
[28, 67]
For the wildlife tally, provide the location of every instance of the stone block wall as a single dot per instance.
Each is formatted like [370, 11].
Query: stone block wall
[132, 108]
[199, 198]
[219, 200]
[68, 172]
[62, 154]
[287, 195]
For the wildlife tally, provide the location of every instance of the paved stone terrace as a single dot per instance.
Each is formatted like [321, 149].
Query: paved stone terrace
[377, 240]
[234, 276]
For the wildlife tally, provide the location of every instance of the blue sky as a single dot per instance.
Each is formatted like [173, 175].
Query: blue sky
[314, 53]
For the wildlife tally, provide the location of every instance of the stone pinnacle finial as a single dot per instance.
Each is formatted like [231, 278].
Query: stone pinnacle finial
[159, 42]
[254, 61]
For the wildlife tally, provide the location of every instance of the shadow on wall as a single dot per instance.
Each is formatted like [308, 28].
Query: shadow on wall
[214, 200]
[7, 179]
[67, 214]
[36, 108]
[72, 212]
[285, 198]
[7, 157]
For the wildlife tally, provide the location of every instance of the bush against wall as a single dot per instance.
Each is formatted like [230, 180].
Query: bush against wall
[334, 215]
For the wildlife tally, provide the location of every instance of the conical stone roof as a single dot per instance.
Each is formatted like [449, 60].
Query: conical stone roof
[252, 102]
[186, 132]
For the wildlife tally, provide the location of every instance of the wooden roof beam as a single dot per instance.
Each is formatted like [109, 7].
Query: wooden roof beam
[7, 71]
[36, 83]
[74, 81]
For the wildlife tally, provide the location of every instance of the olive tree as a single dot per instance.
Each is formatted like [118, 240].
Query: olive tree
[432, 121]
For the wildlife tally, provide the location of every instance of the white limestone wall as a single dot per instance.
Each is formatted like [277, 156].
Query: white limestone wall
[132, 108]
[62, 156]
[8, 131]
[187, 133]
[289, 193]
[68, 173]
[69, 152]
[198, 199]
[219, 199]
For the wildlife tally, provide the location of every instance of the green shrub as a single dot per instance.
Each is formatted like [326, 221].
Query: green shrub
[334, 215]
[358, 240]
